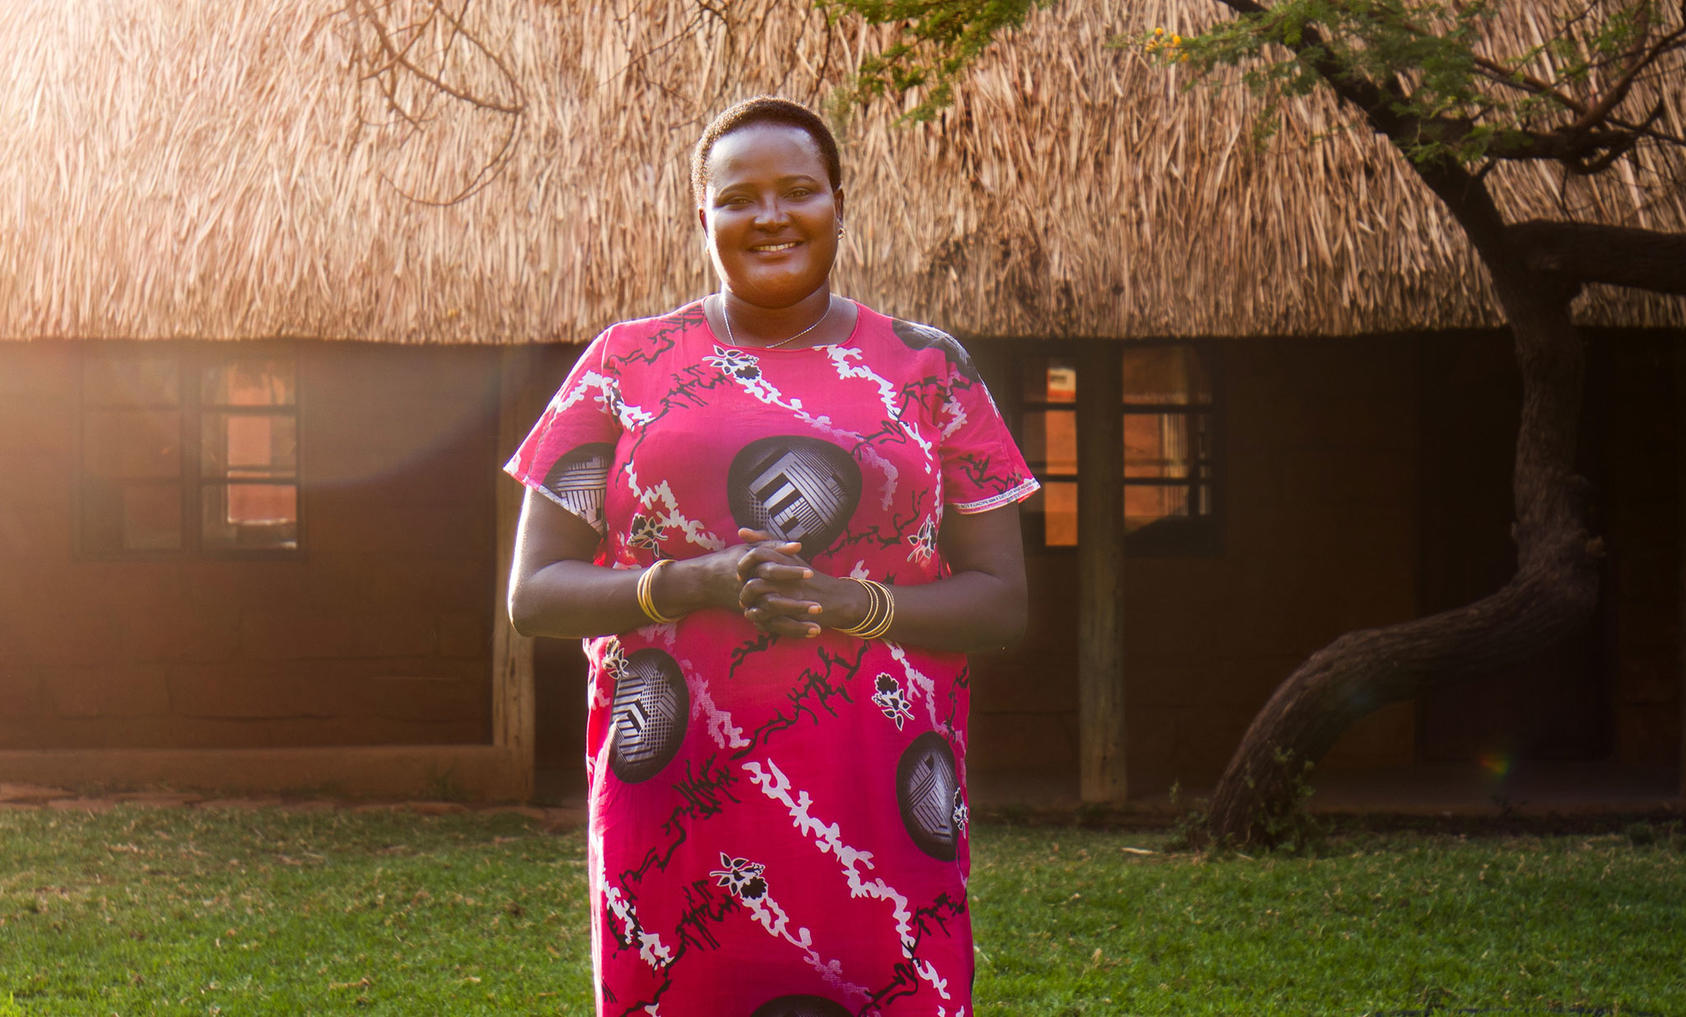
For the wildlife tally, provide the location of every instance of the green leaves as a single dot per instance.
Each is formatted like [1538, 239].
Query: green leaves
[1434, 75]
[937, 41]
[1443, 83]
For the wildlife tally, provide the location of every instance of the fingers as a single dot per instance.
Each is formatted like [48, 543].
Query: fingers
[784, 618]
[777, 598]
[756, 597]
[776, 573]
[773, 562]
[775, 609]
[773, 574]
[764, 538]
[782, 625]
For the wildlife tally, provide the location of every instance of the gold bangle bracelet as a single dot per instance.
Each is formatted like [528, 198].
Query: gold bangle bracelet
[883, 626]
[880, 611]
[871, 609]
[874, 607]
[646, 592]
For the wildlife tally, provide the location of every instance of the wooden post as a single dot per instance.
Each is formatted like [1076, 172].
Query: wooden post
[1680, 543]
[512, 653]
[1100, 555]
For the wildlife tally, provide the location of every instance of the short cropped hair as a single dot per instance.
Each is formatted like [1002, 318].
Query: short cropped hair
[764, 109]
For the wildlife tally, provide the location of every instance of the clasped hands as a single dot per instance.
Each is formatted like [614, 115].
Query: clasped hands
[782, 594]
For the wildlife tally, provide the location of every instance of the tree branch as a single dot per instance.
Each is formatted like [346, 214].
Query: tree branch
[1639, 57]
[396, 57]
[1376, 103]
[389, 58]
[1464, 193]
[1616, 255]
[1579, 150]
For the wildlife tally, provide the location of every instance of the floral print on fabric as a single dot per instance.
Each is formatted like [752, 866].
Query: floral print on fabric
[778, 828]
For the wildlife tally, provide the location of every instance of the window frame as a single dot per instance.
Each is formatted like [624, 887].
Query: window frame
[1193, 535]
[191, 360]
[1035, 537]
[1189, 536]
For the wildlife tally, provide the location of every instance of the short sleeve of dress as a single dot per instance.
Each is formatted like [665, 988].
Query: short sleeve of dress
[982, 466]
[567, 456]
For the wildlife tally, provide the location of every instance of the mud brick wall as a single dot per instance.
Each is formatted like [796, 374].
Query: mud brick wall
[1365, 481]
[1318, 470]
[377, 632]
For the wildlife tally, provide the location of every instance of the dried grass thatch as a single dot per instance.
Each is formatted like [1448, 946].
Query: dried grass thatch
[234, 169]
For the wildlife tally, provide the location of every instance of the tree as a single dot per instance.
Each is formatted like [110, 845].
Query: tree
[1428, 76]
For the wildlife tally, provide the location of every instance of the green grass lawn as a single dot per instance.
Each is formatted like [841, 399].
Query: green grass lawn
[181, 911]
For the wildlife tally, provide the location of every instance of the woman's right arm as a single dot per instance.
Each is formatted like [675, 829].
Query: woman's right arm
[555, 590]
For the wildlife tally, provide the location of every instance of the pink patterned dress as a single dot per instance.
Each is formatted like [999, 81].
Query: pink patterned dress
[777, 826]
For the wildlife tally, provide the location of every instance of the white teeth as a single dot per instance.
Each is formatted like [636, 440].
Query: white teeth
[775, 247]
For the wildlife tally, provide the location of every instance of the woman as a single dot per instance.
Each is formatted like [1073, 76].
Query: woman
[777, 518]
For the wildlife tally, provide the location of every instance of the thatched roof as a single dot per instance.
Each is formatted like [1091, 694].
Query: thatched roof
[230, 169]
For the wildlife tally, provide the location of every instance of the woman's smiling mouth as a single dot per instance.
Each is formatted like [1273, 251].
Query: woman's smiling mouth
[784, 245]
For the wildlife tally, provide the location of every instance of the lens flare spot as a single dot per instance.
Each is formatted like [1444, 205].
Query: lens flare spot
[1496, 763]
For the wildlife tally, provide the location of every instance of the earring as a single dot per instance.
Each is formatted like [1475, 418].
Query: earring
[839, 229]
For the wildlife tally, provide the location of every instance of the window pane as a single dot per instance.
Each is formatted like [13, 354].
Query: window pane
[1158, 445]
[1053, 512]
[1050, 380]
[1050, 441]
[249, 381]
[1143, 505]
[132, 443]
[249, 445]
[249, 516]
[131, 516]
[1165, 374]
[1167, 455]
[151, 517]
[131, 379]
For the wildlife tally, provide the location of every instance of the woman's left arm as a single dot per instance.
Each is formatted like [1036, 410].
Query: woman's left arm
[981, 605]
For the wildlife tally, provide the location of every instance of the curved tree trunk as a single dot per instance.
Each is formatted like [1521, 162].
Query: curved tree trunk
[1552, 595]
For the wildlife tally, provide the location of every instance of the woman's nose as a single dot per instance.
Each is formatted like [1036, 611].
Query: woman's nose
[771, 213]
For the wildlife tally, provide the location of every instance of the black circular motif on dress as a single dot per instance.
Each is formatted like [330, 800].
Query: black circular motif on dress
[801, 1006]
[926, 782]
[652, 709]
[794, 487]
[578, 479]
[916, 336]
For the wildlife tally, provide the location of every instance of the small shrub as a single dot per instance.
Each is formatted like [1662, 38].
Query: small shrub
[442, 786]
[1649, 833]
[1293, 829]
[1188, 831]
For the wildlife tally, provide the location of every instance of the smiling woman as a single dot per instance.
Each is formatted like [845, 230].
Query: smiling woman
[773, 213]
[778, 518]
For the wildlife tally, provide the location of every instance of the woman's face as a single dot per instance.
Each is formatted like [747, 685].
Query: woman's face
[770, 214]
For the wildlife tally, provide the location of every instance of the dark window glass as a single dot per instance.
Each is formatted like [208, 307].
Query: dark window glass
[1168, 471]
[132, 453]
[1167, 436]
[162, 431]
[1049, 443]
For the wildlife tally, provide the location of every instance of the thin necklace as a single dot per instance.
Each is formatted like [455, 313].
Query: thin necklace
[727, 317]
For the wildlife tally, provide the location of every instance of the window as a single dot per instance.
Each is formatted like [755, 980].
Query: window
[1167, 443]
[188, 452]
[1050, 447]
[1168, 473]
